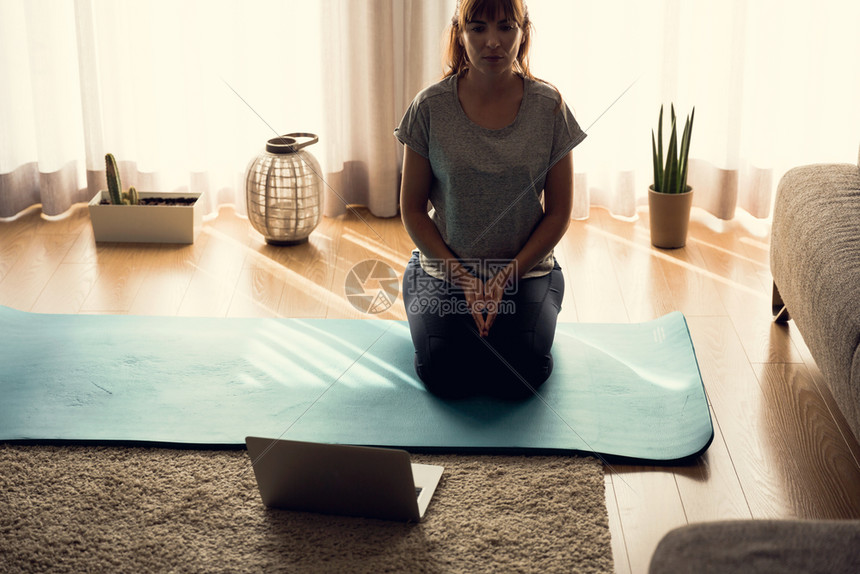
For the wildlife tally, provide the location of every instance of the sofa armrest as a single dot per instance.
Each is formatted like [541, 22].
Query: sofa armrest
[815, 263]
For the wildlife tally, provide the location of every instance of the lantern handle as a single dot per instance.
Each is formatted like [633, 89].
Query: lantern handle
[287, 143]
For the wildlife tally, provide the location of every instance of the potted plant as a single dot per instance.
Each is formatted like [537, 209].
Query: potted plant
[670, 198]
[142, 217]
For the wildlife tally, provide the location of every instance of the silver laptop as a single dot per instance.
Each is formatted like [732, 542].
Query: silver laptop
[339, 479]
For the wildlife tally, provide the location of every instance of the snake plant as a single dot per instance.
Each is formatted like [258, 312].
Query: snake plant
[670, 175]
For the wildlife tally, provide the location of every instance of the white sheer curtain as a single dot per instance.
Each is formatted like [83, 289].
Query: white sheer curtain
[774, 84]
[186, 92]
[382, 53]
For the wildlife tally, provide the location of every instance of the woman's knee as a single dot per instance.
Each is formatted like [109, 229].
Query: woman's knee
[524, 374]
[442, 368]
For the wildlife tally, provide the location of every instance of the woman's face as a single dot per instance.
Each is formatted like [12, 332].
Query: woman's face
[492, 44]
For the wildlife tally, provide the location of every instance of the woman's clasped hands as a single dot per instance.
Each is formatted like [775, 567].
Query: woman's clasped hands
[484, 298]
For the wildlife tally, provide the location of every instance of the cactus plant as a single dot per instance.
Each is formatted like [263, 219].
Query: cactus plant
[113, 182]
[671, 178]
[117, 196]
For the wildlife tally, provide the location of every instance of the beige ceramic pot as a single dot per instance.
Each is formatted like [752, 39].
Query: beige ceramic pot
[669, 214]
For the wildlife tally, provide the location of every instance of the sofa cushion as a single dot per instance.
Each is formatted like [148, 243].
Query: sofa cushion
[760, 547]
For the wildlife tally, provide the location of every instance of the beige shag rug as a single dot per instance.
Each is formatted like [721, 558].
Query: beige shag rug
[111, 509]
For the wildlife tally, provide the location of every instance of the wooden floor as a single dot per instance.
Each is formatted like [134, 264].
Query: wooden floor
[781, 448]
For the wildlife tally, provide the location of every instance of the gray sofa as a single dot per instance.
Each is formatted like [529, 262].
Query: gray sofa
[815, 263]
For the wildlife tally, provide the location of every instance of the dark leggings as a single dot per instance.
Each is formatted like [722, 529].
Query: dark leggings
[453, 361]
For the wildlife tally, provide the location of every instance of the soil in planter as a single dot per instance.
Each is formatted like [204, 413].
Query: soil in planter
[186, 201]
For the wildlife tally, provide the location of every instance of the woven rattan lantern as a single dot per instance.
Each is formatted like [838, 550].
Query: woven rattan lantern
[283, 190]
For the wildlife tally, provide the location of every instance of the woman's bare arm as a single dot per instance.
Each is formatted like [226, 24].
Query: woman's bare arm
[558, 204]
[414, 194]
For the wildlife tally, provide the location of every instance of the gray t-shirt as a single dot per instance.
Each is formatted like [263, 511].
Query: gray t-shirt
[488, 184]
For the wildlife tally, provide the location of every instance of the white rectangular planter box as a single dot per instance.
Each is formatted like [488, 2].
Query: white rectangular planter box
[146, 223]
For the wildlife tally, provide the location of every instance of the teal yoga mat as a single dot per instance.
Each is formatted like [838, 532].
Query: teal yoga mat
[627, 390]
